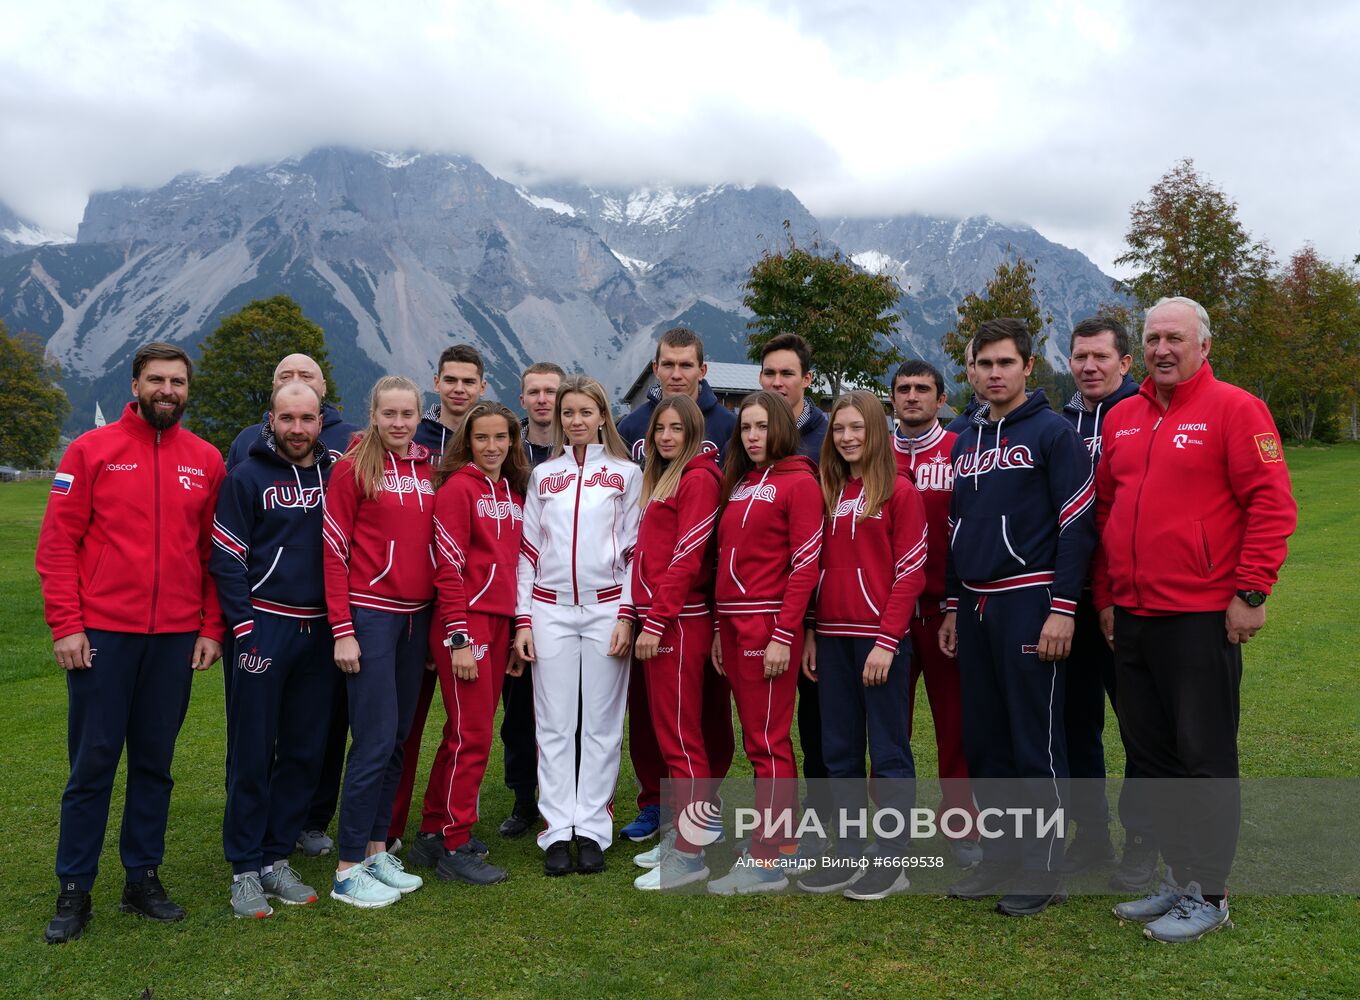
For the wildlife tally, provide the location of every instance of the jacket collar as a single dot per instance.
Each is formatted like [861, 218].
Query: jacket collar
[911, 445]
[1183, 391]
[131, 421]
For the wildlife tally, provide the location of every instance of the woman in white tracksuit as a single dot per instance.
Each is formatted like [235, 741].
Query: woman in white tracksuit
[574, 621]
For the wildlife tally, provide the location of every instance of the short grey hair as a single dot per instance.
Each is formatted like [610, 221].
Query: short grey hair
[1180, 300]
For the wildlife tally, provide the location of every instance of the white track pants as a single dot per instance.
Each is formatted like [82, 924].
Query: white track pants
[573, 669]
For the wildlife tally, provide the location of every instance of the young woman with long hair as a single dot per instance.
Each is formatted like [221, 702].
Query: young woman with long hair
[478, 525]
[379, 566]
[873, 570]
[672, 576]
[574, 621]
[769, 541]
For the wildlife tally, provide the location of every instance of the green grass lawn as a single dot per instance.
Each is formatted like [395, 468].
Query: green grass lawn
[596, 936]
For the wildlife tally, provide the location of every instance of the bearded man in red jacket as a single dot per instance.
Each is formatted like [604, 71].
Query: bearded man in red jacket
[1194, 509]
[123, 555]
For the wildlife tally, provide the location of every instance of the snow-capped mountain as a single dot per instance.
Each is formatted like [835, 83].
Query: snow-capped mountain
[17, 234]
[399, 255]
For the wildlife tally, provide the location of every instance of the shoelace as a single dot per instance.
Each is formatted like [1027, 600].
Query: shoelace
[387, 858]
[284, 874]
[249, 885]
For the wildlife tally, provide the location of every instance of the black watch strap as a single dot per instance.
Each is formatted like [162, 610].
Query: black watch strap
[1252, 598]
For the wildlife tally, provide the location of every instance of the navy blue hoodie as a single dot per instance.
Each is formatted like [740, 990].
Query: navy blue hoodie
[336, 433]
[1088, 423]
[718, 422]
[1022, 513]
[957, 425]
[266, 554]
[812, 425]
[432, 433]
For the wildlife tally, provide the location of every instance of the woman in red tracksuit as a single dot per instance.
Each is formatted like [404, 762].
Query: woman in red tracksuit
[478, 524]
[769, 540]
[873, 570]
[378, 559]
[672, 575]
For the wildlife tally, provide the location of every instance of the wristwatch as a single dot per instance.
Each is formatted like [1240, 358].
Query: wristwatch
[457, 640]
[1252, 598]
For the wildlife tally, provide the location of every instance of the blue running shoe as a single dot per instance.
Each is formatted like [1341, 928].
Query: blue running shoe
[646, 825]
[359, 888]
[388, 870]
[1190, 919]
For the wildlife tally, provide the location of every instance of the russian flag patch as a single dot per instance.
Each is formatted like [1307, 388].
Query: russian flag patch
[61, 482]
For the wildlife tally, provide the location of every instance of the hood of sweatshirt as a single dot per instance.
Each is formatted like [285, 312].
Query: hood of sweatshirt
[266, 446]
[794, 463]
[1077, 404]
[707, 398]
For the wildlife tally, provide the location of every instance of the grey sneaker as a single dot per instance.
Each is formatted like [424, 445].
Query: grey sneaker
[284, 885]
[878, 883]
[967, 853]
[466, 865]
[247, 898]
[1190, 919]
[1155, 904]
[315, 843]
[839, 874]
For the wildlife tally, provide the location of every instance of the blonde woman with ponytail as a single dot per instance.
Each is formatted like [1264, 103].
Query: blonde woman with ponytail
[574, 621]
[378, 557]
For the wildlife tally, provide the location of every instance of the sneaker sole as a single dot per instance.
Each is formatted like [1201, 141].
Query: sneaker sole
[363, 904]
[291, 902]
[892, 890]
[756, 889]
[1123, 919]
[257, 915]
[126, 908]
[640, 838]
[592, 870]
[467, 881]
[689, 878]
[1147, 933]
[1054, 900]
[825, 890]
[647, 865]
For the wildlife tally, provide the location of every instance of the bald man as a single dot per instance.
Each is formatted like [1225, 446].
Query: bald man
[335, 435]
[335, 430]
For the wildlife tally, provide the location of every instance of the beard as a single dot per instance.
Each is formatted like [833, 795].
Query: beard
[146, 406]
[295, 452]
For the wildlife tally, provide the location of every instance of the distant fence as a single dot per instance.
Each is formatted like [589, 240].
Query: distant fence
[20, 475]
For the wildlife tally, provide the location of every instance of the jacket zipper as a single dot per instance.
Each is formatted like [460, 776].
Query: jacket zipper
[155, 529]
[1138, 504]
[575, 524]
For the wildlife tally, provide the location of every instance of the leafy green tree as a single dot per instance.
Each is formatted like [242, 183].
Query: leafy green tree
[235, 375]
[843, 313]
[1009, 293]
[1185, 239]
[32, 401]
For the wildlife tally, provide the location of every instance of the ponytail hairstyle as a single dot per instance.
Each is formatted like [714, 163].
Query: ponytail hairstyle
[661, 477]
[584, 385]
[878, 467]
[515, 468]
[366, 453]
[781, 437]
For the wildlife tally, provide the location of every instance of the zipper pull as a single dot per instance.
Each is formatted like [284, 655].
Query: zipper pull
[1159, 421]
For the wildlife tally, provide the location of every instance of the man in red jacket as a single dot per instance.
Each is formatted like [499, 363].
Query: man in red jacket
[1194, 509]
[123, 555]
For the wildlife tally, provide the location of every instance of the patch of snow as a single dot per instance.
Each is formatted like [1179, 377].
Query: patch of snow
[876, 262]
[392, 161]
[632, 263]
[661, 206]
[551, 204]
[29, 235]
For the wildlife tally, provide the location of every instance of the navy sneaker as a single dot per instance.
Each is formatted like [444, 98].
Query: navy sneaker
[646, 825]
[73, 913]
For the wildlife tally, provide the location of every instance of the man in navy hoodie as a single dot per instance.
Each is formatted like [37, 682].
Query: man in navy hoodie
[1099, 359]
[974, 403]
[336, 433]
[266, 561]
[679, 369]
[1022, 530]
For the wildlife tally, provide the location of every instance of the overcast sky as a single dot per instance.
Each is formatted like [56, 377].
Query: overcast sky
[1060, 115]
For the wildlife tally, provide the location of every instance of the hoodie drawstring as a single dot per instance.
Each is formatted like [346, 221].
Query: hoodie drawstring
[750, 501]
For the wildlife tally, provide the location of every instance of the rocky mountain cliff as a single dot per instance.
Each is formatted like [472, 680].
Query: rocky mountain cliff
[397, 256]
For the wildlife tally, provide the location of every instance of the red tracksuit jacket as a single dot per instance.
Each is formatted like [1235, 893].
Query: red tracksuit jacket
[927, 459]
[673, 563]
[1193, 502]
[478, 525]
[872, 571]
[379, 553]
[125, 541]
[769, 540]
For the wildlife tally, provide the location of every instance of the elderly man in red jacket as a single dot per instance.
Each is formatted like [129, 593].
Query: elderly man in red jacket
[1194, 510]
[123, 555]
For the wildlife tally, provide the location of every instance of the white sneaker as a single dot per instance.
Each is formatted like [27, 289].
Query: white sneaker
[749, 876]
[389, 871]
[359, 888]
[652, 858]
[676, 869]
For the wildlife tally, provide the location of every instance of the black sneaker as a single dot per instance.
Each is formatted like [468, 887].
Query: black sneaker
[148, 898]
[987, 879]
[464, 865]
[589, 857]
[1137, 871]
[879, 882]
[831, 878]
[1032, 892]
[426, 851]
[73, 913]
[1088, 850]
[557, 859]
[517, 824]
[479, 847]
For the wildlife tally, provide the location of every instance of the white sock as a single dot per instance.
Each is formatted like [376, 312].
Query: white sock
[266, 869]
[240, 875]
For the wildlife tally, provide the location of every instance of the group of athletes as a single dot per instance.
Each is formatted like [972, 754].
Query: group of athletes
[1026, 563]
